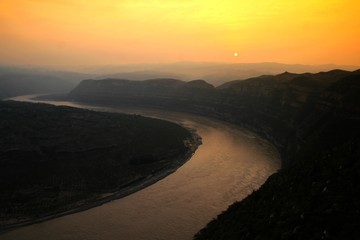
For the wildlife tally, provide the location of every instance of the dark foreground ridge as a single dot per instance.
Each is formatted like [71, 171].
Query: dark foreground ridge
[60, 160]
[313, 119]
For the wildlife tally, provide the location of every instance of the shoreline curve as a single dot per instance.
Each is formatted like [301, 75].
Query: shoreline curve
[127, 190]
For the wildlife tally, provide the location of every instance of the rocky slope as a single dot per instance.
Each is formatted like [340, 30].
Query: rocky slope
[314, 121]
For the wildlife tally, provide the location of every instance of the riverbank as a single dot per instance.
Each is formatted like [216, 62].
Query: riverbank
[191, 145]
[129, 189]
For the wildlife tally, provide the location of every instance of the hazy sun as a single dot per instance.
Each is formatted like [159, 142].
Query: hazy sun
[236, 54]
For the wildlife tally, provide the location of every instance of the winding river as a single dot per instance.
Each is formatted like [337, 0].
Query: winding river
[229, 165]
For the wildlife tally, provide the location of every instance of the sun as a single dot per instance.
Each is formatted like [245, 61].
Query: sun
[236, 54]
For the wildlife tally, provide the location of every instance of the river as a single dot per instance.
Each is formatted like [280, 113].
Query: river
[229, 165]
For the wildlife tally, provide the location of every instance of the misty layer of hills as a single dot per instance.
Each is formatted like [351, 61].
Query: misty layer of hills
[30, 80]
[15, 81]
[313, 120]
[212, 72]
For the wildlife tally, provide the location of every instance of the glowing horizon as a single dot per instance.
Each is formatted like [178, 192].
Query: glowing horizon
[69, 32]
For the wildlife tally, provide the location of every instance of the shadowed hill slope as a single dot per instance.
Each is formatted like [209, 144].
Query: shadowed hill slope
[57, 159]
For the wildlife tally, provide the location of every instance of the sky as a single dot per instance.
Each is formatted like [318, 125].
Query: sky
[101, 32]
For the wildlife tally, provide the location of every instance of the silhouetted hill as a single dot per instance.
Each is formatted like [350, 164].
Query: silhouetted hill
[199, 84]
[318, 79]
[59, 159]
[313, 119]
[162, 91]
[284, 77]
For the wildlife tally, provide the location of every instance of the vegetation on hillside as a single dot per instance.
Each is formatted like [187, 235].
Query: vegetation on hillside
[53, 159]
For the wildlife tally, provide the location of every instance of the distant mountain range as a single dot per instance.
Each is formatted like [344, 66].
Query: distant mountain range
[212, 72]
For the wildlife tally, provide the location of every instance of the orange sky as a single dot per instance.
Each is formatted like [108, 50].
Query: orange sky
[81, 32]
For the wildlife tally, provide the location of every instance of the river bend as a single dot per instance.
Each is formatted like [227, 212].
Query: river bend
[229, 165]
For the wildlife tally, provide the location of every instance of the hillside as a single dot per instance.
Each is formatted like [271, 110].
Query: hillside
[313, 119]
[57, 159]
